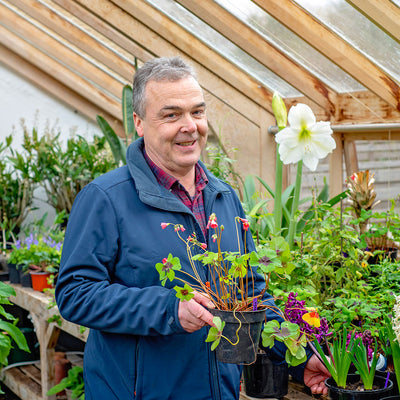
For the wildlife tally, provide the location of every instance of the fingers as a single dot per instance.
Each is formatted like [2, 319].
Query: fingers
[193, 316]
[203, 300]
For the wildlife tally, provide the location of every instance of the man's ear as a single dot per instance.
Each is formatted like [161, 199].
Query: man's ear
[138, 124]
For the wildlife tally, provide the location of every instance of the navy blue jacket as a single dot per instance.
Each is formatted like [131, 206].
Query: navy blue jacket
[136, 347]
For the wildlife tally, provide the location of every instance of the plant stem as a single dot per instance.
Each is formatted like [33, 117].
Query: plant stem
[295, 204]
[278, 193]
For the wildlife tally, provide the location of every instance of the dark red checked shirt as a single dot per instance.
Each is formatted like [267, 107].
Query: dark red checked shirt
[195, 203]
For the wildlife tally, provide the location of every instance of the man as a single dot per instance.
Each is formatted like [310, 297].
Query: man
[144, 343]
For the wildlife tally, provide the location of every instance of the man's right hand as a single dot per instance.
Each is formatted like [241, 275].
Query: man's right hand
[192, 315]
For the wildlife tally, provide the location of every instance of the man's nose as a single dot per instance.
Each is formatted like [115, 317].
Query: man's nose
[188, 124]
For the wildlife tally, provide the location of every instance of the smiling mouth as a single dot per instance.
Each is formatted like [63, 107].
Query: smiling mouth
[186, 143]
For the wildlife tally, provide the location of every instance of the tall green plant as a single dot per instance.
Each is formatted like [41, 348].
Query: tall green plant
[8, 328]
[64, 169]
[16, 191]
[119, 146]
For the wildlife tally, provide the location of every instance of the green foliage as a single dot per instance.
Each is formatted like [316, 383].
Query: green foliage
[215, 332]
[16, 191]
[73, 381]
[119, 146]
[340, 357]
[288, 333]
[40, 254]
[64, 170]
[8, 328]
[361, 362]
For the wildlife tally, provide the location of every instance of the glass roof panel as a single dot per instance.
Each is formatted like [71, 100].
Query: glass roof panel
[291, 44]
[357, 30]
[224, 47]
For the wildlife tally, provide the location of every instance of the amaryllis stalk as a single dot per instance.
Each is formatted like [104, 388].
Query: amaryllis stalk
[304, 141]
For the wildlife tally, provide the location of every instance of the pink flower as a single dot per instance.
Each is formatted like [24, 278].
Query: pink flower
[164, 225]
[245, 223]
[164, 260]
[212, 222]
[203, 246]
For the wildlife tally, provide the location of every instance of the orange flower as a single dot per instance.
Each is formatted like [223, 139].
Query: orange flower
[312, 318]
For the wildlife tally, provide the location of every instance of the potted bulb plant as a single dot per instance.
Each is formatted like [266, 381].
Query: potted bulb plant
[342, 353]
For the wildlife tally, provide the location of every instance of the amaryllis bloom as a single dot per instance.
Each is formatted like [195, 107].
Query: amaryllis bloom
[305, 139]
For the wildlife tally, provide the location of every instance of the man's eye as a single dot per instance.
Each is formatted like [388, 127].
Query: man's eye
[198, 112]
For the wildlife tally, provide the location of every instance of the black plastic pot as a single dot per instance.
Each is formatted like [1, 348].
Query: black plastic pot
[265, 379]
[391, 398]
[336, 393]
[25, 278]
[245, 351]
[13, 272]
[392, 377]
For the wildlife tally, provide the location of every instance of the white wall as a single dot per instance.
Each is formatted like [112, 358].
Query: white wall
[20, 99]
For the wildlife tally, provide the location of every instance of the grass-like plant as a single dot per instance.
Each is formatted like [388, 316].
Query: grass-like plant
[361, 362]
[339, 357]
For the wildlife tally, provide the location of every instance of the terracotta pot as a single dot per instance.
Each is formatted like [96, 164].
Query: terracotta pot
[39, 280]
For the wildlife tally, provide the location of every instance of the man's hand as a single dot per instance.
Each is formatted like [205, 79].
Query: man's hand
[315, 374]
[192, 315]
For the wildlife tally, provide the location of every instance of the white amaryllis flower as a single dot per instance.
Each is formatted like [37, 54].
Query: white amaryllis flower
[396, 318]
[305, 139]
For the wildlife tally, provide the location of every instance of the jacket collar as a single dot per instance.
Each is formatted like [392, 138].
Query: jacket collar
[150, 192]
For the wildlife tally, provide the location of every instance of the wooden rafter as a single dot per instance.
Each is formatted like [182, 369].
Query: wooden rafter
[156, 45]
[59, 71]
[80, 35]
[194, 48]
[333, 47]
[263, 51]
[57, 89]
[51, 44]
[382, 13]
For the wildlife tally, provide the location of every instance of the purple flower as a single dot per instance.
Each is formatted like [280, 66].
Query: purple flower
[18, 244]
[255, 304]
[30, 240]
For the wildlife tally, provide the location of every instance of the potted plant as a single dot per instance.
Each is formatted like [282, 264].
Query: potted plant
[9, 332]
[73, 384]
[39, 257]
[344, 352]
[237, 309]
[64, 169]
[16, 192]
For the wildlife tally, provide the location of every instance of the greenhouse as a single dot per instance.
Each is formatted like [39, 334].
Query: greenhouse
[291, 217]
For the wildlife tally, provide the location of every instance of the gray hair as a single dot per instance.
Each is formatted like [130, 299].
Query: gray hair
[158, 69]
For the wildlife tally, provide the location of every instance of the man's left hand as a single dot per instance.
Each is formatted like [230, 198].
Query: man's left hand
[315, 374]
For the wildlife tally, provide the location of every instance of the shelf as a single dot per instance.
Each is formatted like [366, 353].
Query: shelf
[32, 382]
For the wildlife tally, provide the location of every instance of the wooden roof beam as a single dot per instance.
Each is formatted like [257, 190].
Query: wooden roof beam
[196, 49]
[55, 88]
[50, 45]
[263, 51]
[132, 29]
[333, 47]
[382, 13]
[79, 34]
[59, 72]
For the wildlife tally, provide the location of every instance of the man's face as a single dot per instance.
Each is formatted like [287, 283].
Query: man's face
[175, 124]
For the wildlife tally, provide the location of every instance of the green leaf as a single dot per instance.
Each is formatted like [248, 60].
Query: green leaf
[16, 334]
[127, 110]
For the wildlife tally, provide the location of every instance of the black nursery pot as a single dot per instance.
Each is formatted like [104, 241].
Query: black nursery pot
[336, 393]
[245, 351]
[265, 379]
[13, 273]
[392, 377]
